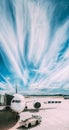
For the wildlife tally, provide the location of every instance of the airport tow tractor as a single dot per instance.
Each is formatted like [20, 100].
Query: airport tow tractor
[32, 121]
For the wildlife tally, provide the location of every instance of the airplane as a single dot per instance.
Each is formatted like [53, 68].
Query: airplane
[10, 111]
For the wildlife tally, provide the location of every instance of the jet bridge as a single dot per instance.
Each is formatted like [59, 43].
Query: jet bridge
[2, 100]
[5, 100]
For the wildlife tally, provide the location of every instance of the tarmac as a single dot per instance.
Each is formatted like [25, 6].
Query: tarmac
[53, 117]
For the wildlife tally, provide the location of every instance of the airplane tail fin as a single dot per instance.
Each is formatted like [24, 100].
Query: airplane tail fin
[16, 89]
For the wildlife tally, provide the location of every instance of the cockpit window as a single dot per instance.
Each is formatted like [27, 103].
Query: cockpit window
[16, 101]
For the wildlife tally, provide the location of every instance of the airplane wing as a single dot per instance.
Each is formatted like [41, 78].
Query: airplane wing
[41, 103]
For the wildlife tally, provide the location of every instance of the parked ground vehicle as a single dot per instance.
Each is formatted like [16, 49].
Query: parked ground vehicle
[34, 120]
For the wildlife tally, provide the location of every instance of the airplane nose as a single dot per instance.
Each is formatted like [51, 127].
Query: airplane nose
[18, 103]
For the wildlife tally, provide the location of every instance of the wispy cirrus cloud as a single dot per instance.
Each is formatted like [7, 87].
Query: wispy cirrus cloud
[34, 44]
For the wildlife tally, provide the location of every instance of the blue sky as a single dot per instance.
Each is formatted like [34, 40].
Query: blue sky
[34, 46]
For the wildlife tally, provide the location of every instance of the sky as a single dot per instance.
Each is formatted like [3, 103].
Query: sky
[34, 46]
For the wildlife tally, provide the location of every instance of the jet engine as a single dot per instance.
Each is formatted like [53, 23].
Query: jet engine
[17, 103]
[37, 105]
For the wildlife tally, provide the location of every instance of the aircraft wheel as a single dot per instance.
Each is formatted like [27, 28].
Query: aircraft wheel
[36, 122]
[29, 125]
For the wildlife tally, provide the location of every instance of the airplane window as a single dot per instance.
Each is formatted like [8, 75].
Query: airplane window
[12, 100]
[52, 101]
[16, 101]
[56, 102]
[49, 101]
[59, 101]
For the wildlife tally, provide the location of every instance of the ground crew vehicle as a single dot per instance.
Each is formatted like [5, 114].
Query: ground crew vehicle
[34, 120]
